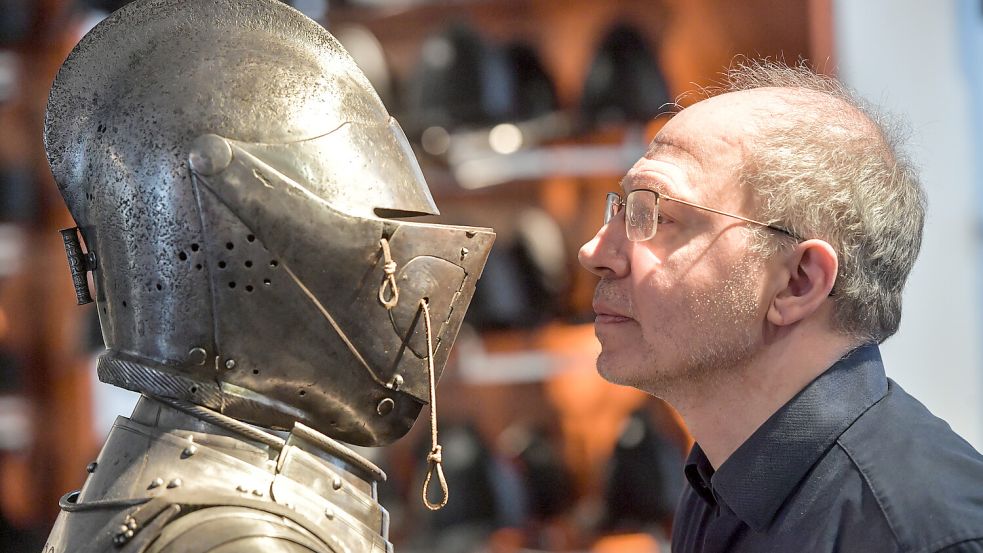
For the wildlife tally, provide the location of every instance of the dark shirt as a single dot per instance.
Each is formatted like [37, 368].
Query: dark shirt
[851, 463]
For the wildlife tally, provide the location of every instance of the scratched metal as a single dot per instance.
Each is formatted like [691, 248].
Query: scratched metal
[265, 254]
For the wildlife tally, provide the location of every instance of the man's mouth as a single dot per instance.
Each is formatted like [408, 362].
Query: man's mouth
[602, 319]
[609, 315]
[611, 305]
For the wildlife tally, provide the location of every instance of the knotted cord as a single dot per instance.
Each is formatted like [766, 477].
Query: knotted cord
[390, 280]
[434, 459]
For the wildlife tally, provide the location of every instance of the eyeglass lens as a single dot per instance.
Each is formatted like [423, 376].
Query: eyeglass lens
[612, 205]
[641, 216]
[641, 213]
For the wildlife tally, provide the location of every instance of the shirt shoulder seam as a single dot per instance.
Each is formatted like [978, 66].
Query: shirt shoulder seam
[939, 546]
[873, 491]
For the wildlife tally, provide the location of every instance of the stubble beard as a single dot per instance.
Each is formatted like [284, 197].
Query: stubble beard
[713, 340]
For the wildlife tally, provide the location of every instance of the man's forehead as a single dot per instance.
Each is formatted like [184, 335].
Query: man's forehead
[715, 129]
[703, 145]
[668, 145]
[732, 113]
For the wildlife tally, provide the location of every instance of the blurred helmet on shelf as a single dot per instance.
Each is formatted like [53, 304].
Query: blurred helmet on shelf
[625, 81]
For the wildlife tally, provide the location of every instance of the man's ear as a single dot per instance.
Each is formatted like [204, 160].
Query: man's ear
[810, 272]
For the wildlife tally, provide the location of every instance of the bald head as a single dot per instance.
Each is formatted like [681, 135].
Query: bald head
[823, 164]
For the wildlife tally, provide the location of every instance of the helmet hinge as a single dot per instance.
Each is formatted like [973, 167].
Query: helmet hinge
[79, 263]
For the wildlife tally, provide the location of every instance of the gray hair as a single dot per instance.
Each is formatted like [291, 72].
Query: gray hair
[829, 167]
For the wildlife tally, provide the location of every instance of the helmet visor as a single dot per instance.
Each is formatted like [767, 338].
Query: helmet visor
[362, 169]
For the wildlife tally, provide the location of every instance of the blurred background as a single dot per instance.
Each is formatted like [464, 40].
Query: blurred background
[523, 113]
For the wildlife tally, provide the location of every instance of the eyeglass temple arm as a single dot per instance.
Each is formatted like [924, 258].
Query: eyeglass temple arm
[712, 210]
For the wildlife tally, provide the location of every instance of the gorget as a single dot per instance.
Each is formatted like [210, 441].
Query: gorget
[175, 477]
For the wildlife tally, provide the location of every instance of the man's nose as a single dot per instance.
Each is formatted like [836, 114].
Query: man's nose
[604, 255]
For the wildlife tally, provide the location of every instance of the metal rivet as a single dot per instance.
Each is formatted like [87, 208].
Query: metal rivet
[336, 483]
[189, 451]
[329, 513]
[209, 154]
[132, 523]
[385, 406]
[128, 534]
[123, 528]
[91, 467]
[464, 252]
[174, 483]
[397, 382]
[197, 356]
[156, 483]
[240, 488]
[230, 364]
[470, 234]
[258, 493]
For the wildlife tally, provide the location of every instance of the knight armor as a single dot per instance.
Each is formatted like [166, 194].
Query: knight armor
[243, 198]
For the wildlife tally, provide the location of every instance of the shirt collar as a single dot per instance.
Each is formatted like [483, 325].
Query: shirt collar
[759, 476]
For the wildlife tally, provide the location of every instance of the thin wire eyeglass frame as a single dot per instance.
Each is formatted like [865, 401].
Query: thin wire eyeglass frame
[614, 203]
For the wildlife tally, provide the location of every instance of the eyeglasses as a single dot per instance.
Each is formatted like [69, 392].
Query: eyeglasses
[642, 213]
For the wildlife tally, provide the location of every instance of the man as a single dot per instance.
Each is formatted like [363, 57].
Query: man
[753, 260]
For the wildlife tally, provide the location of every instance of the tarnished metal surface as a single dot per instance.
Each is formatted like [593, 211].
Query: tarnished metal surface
[345, 346]
[169, 482]
[233, 172]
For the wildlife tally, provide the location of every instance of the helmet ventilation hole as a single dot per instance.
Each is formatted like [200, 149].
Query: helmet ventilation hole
[274, 264]
[248, 263]
[194, 247]
[249, 287]
[221, 264]
[267, 282]
[232, 285]
[229, 245]
[182, 256]
[250, 238]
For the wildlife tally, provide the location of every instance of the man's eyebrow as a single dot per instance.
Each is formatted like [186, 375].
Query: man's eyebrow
[653, 182]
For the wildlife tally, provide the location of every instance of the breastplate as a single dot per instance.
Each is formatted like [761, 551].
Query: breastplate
[177, 478]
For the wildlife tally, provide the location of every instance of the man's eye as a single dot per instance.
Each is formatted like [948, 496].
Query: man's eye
[662, 219]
